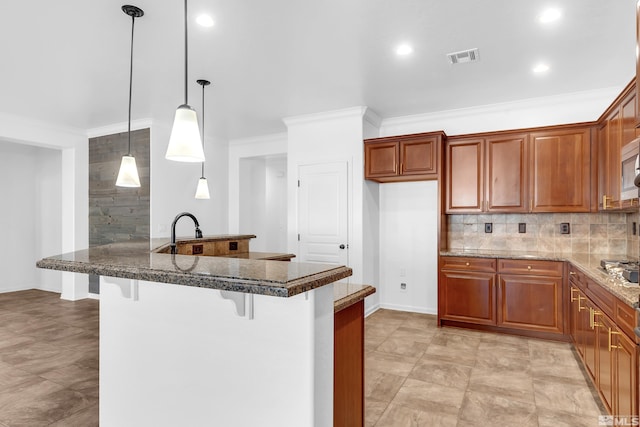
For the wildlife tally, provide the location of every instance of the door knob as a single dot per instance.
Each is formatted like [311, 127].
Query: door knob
[342, 246]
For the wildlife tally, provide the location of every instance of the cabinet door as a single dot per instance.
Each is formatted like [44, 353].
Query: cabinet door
[467, 297]
[464, 175]
[628, 115]
[604, 194]
[419, 157]
[561, 174]
[575, 329]
[614, 167]
[626, 377]
[507, 171]
[381, 160]
[348, 366]
[530, 302]
[605, 359]
[589, 333]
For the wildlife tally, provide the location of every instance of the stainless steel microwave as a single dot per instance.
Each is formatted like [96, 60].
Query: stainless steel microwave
[630, 168]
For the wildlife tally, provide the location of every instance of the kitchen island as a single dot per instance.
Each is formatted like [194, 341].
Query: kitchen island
[208, 340]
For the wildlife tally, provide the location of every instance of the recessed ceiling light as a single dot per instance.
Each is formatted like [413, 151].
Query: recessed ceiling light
[205, 20]
[404, 50]
[550, 15]
[541, 68]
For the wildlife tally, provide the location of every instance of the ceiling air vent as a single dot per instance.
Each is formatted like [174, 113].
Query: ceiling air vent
[470, 55]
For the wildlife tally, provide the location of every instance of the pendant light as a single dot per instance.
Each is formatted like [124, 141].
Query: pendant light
[128, 174]
[185, 144]
[202, 191]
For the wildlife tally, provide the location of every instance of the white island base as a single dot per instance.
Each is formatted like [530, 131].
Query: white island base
[174, 355]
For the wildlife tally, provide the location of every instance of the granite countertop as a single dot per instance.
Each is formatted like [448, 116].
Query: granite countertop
[134, 260]
[589, 264]
[347, 294]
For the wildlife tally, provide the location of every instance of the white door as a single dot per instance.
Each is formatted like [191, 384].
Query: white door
[323, 213]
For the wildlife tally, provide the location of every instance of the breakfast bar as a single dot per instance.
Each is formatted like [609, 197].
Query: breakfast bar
[212, 340]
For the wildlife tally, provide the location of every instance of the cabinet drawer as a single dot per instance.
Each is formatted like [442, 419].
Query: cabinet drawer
[468, 264]
[625, 318]
[535, 267]
[601, 297]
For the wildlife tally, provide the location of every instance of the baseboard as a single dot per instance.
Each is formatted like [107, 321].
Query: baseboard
[371, 310]
[409, 308]
[18, 289]
[93, 296]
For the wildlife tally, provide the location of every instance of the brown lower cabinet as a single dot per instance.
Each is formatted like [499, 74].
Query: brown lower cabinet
[609, 354]
[512, 295]
[348, 369]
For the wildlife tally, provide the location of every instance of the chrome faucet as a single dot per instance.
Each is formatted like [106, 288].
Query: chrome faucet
[173, 229]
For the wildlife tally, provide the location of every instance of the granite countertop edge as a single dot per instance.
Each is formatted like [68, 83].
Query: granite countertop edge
[347, 299]
[583, 262]
[236, 284]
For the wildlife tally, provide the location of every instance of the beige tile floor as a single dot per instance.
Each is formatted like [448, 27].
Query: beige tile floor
[416, 373]
[48, 360]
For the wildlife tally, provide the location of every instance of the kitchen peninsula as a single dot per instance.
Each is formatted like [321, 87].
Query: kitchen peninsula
[211, 340]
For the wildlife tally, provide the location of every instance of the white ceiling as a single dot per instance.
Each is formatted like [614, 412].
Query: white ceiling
[67, 61]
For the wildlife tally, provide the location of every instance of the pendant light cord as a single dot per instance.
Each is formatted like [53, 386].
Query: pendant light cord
[186, 90]
[203, 126]
[133, 23]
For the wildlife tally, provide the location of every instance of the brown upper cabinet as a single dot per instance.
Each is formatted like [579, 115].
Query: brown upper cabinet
[616, 129]
[538, 171]
[561, 171]
[487, 174]
[402, 158]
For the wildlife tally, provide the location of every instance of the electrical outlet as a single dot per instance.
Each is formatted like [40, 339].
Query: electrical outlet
[522, 227]
[403, 287]
[565, 228]
[488, 227]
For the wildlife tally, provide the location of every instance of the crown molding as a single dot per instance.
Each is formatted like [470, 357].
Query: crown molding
[119, 127]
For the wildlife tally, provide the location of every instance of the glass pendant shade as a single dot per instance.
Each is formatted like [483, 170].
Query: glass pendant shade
[202, 192]
[128, 174]
[185, 144]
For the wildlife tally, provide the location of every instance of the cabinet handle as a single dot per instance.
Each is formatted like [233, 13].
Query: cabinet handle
[595, 324]
[467, 264]
[604, 202]
[573, 298]
[611, 333]
[401, 168]
[580, 307]
[528, 267]
[572, 273]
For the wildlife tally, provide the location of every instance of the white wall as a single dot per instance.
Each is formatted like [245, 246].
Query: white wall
[329, 137]
[275, 233]
[73, 147]
[408, 249]
[173, 187]
[48, 211]
[18, 217]
[262, 147]
[31, 217]
[253, 192]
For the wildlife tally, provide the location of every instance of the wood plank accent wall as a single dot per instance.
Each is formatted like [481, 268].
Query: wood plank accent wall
[117, 214]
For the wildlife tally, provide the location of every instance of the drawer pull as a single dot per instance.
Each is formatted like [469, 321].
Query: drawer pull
[467, 264]
[572, 273]
[528, 267]
[613, 346]
[573, 298]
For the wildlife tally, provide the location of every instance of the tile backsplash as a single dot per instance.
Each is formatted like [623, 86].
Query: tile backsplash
[605, 232]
